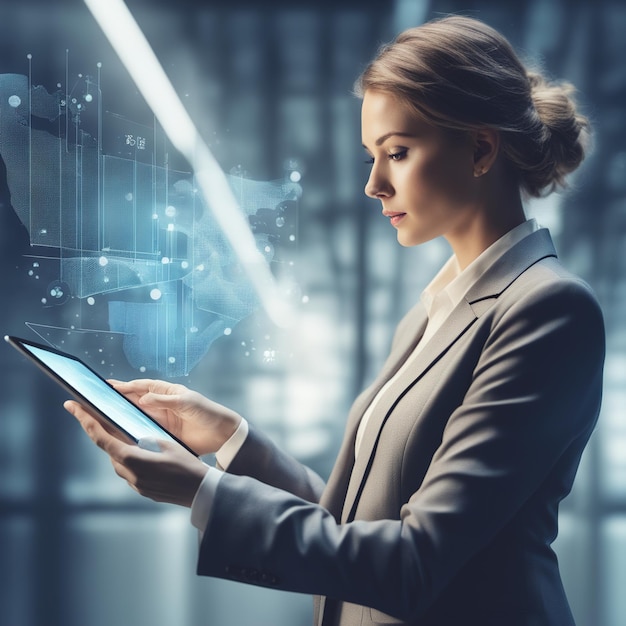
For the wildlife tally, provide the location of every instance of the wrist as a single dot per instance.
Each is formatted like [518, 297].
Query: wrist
[229, 426]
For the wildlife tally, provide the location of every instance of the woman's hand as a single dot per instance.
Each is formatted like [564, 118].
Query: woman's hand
[170, 475]
[202, 424]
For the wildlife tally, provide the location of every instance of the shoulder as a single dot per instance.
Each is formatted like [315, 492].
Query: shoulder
[548, 300]
[548, 284]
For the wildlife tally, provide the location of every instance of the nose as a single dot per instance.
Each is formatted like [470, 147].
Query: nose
[377, 185]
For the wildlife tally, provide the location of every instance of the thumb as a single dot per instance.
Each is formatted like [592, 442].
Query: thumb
[162, 400]
[149, 443]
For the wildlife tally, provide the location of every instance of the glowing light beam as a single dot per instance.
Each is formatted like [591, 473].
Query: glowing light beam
[136, 54]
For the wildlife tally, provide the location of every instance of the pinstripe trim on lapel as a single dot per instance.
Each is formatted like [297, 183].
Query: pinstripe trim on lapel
[334, 495]
[461, 318]
[409, 333]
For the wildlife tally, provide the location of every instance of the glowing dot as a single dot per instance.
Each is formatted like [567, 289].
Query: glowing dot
[170, 228]
[30, 272]
[129, 196]
[44, 301]
[91, 301]
[142, 368]
[106, 279]
[88, 97]
[103, 261]
[80, 76]
[59, 85]
[228, 331]
[79, 106]
[165, 260]
[170, 211]
[98, 64]
[243, 343]
[30, 56]
[193, 329]
[267, 249]
[155, 294]
[43, 231]
[73, 100]
[171, 359]
[35, 264]
[269, 355]
[15, 101]
[155, 216]
[292, 237]
[200, 267]
[246, 353]
[280, 222]
[305, 299]
[295, 176]
[184, 265]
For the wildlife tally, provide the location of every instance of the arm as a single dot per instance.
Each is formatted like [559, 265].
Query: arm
[260, 458]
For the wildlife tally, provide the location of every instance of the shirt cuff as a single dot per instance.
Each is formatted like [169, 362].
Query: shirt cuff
[203, 500]
[225, 455]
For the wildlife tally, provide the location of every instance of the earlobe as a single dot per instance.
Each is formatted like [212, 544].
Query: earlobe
[486, 147]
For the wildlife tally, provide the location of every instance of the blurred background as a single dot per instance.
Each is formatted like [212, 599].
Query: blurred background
[268, 84]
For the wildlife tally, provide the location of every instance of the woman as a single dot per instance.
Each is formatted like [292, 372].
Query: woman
[442, 505]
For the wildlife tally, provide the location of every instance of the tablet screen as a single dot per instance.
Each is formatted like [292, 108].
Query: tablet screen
[88, 385]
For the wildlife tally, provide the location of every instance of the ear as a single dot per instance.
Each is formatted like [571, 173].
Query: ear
[486, 148]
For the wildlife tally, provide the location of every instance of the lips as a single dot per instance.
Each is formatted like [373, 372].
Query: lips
[394, 217]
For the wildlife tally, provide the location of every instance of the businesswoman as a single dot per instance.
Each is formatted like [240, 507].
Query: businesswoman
[442, 505]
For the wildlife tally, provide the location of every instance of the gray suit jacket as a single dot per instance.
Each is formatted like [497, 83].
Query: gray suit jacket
[448, 514]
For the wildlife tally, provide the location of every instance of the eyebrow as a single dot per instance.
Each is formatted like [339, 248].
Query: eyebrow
[394, 133]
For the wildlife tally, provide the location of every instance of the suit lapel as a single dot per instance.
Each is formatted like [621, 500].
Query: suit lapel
[461, 318]
[334, 495]
[479, 298]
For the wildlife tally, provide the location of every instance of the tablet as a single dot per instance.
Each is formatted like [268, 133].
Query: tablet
[94, 392]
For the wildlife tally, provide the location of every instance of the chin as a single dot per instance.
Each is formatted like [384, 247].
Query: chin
[409, 240]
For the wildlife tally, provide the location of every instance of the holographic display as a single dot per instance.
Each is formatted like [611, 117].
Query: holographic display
[123, 249]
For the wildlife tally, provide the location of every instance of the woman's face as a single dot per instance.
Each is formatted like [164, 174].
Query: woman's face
[423, 175]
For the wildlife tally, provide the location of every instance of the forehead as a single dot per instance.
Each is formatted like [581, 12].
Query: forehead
[384, 115]
[382, 112]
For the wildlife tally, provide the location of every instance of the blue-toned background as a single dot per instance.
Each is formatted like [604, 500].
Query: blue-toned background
[269, 86]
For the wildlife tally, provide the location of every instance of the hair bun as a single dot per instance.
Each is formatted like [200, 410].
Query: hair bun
[562, 137]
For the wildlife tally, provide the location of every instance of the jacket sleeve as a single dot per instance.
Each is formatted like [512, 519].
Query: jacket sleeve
[534, 395]
[263, 460]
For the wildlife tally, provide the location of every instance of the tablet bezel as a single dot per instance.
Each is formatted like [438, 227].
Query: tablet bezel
[20, 344]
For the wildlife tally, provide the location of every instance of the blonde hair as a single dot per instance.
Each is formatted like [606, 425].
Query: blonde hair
[461, 74]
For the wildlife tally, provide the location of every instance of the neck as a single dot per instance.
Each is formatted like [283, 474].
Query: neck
[487, 223]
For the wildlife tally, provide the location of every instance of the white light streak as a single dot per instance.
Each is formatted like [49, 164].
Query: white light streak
[130, 44]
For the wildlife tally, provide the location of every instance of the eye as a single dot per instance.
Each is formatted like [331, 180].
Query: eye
[397, 156]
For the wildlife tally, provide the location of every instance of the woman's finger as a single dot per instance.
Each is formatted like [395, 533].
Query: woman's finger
[103, 438]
